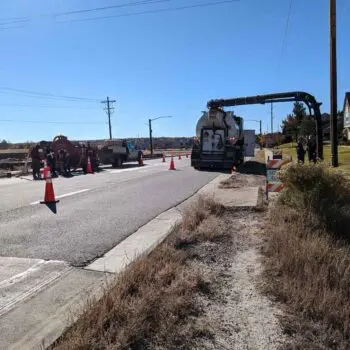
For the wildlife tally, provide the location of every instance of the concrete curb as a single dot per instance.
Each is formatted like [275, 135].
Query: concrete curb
[143, 241]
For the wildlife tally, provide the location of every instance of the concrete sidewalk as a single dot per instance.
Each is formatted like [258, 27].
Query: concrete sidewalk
[35, 310]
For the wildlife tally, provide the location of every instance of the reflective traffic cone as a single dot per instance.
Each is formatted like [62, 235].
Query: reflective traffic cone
[89, 167]
[172, 164]
[179, 156]
[46, 170]
[49, 197]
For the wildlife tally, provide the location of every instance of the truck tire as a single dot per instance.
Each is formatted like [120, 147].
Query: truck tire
[117, 162]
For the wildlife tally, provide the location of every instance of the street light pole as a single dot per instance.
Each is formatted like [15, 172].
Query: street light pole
[150, 135]
[333, 82]
[150, 131]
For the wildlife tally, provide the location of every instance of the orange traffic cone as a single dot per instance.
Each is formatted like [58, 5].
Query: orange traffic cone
[46, 170]
[163, 158]
[172, 164]
[179, 156]
[89, 167]
[49, 192]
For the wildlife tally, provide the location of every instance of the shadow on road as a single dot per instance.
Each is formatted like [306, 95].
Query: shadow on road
[52, 207]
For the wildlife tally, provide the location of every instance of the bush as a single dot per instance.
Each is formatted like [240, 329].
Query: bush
[322, 194]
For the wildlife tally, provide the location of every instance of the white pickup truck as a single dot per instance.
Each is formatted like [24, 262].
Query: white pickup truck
[117, 152]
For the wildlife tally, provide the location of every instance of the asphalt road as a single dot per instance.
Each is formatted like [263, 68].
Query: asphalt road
[95, 212]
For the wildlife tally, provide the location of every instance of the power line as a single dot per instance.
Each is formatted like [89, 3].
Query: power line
[46, 122]
[45, 95]
[171, 9]
[48, 107]
[129, 14]
[17, 20]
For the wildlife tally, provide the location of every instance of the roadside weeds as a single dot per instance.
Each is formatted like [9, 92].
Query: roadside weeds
[307, 258]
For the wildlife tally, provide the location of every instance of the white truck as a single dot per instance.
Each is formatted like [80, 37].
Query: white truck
[220, 140]
[249, 143]
[117, 152]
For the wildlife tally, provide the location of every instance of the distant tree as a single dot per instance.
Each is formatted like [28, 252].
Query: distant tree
[307, 126]
[4, 144]
[291, 127]
[299, 111]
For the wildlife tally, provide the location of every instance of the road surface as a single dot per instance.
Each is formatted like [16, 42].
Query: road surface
[95, 212]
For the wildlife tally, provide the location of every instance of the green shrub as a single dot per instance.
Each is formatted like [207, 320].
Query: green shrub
[322, 194]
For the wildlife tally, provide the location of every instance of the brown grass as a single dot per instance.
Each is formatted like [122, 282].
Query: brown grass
[260, 156]
[153, 304]
[307, 264]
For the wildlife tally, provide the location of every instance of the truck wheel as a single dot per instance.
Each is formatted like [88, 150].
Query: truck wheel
[118, 162]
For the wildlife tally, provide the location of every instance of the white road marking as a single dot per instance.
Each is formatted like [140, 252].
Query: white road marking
[65, 195]
[117, 171]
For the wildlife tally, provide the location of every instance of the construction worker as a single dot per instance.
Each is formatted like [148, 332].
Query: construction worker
[66, 164]
[60, 162]
[83, 159]
[36, 161]
[51, 161]
[300, 152]
[311, 149]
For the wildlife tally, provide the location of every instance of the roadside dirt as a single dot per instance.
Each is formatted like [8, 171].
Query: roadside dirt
[238, 314]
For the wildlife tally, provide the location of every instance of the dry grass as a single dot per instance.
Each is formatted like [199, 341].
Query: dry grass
[153, 304]
[321, 194]
[260, 156]
[307, 264]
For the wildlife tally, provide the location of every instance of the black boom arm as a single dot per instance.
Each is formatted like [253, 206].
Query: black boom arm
[293, 96]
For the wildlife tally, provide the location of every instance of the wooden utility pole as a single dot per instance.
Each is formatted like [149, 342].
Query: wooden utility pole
[109, 110]
[333, 82]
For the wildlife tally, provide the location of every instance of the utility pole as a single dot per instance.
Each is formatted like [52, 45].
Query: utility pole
[271, 117]
[333, 81]
[150, 135]
[109, 109]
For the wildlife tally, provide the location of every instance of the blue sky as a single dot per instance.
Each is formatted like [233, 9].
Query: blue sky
[168, 63]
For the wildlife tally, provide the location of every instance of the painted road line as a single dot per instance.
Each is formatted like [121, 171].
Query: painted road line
[117, 171]
[65, 195]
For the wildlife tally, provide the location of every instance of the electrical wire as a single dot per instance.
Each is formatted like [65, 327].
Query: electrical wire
[17, 20]
[171, 9]
[47, 122]
[48, 107]
[129, 14]
[45, 95]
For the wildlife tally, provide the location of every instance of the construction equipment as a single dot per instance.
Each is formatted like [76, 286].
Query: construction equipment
[292, 96]
[220, 135]
[220, 140]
